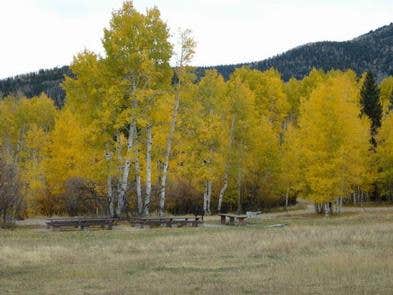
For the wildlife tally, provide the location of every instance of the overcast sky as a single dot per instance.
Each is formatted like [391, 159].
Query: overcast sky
[39, 34]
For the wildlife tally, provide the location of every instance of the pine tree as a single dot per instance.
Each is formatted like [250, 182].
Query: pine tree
[370, 104]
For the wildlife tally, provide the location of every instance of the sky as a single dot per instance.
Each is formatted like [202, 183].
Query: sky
[36, 34]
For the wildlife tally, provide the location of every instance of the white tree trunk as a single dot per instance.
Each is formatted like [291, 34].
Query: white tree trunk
[239, 191]
[340, 205]
[205, 198]
[138, 185]
[149, 143]
[225, 185]
[121, 196]
[286, 199]
[208, 196]
[222, 192]
[165, 165]
[326, 209]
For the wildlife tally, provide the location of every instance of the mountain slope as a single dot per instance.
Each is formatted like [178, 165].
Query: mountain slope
[372, 51]
[33, 84]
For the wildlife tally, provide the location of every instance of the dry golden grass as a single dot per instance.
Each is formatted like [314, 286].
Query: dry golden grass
[352, 254]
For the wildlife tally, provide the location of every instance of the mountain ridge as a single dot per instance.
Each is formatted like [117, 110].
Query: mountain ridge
[370, 51]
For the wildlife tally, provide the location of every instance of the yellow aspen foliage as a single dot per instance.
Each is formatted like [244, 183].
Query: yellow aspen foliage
[334, 140]
[386, 89]
[203, 134]
[269, 90]
[72, 152]
[292, 163]
[34, 174]
[384, 155]
[24, 128]
[254, 147]
[19, 115]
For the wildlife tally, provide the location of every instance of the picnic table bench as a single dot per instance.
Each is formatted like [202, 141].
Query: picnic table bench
[81, 222]
[166, 221]
[233, 219]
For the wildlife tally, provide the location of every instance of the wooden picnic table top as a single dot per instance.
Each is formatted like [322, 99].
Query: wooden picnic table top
[166, 218]
[81, 219]
[168, 221]
[81, 222]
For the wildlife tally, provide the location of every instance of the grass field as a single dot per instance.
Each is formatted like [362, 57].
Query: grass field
[351, 254]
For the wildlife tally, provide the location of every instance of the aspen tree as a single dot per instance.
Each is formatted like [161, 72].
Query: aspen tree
[384, 155]
[184, 56]
[334, 144]
[204, 133]
[138, 54]
[386, 94]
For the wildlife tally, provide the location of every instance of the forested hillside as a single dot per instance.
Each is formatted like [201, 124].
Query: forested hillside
[33, 84]
[372, 51]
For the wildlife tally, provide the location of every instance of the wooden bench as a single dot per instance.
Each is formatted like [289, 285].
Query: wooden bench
[233, 219]
[165, 221]
[81, 222]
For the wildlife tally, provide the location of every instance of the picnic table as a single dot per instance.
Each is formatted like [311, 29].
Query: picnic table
[166, 221]
[81, 222]
[233, 219]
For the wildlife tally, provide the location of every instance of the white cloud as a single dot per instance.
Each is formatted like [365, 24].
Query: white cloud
[46, 33]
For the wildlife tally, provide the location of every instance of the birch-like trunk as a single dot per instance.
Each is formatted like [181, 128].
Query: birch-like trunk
[138, 185]
[239, 192]
[149, 143]
[207, 197]
[121, 196]
[222, 192]
[326, 209]
[286, 199]
[340, 204]
[225, 185]
[165, 165]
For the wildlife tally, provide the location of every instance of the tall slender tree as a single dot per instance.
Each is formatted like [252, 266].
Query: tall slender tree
[185, 54]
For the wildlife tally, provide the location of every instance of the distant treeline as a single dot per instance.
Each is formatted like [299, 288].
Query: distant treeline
[33, 84]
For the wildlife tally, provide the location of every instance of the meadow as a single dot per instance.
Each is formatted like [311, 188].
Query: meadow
[349, 254]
